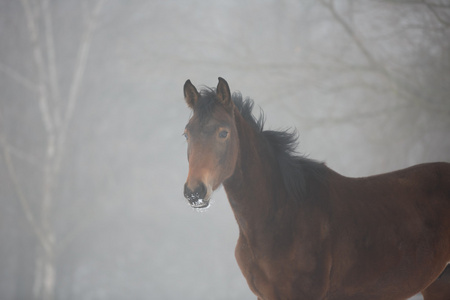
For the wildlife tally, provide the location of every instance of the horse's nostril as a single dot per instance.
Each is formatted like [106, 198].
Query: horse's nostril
[187, 191]
[194, 195]
[201, 191]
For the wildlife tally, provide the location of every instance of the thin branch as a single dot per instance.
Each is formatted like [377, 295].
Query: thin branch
[22, 199]
[359, 44]
[20, 79]
[397, 87]
[51, 61]
[83, 53]
[439, 5]
[20, 154]
[80, 67]
[38, 58]
[431, 7]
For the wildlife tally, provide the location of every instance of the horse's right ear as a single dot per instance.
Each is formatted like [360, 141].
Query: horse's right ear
[190, 94]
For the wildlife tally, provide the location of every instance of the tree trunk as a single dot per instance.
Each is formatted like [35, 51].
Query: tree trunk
[44, 282]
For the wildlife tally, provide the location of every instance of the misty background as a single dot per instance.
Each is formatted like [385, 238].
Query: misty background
[92, 158]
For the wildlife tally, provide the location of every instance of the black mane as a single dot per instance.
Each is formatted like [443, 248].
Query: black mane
[297, 170]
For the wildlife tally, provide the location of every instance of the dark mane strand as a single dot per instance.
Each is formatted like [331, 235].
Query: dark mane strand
[245, 107]
[296, 169]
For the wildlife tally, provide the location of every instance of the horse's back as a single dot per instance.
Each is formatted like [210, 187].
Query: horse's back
[424, 186]
[391, 231]
[432, 178]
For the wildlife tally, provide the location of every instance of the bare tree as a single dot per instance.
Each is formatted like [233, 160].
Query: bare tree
[56, 112]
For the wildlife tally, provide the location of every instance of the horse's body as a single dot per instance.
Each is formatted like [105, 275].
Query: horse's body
[307, 232]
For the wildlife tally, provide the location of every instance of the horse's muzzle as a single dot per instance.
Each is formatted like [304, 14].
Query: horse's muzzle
[197, 197]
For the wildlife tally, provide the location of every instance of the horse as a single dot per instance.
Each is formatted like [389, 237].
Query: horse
[305, 231]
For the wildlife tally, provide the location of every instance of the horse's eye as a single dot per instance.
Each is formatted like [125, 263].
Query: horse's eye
[185, 135]
[223, 134]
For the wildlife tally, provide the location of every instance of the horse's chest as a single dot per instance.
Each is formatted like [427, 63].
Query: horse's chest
[252, 269]
[290, 274]
[266, 277]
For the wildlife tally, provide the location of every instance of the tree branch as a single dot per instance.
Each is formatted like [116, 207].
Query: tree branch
[51, 62]
[397, 86]
[20, 79]
[45, 243]
[431, 7]
[38, 59]
[359, 44]
[80, 67]
[20, 154]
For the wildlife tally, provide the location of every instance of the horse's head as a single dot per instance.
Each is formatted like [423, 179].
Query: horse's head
[212, 141]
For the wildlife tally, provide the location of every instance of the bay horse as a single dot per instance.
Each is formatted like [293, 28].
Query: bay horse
[307, 232]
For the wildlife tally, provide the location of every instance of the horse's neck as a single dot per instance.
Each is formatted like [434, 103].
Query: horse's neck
[253, 188]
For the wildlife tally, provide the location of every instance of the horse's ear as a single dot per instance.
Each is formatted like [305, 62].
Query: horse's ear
[190, 94]
[223, 93]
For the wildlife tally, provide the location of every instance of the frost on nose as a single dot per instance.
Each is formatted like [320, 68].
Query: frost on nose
[196, 198]
[197, 203]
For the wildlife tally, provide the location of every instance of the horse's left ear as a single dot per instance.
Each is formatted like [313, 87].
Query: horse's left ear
[223, 93]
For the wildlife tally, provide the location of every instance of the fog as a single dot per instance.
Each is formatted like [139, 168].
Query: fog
[92, 158]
